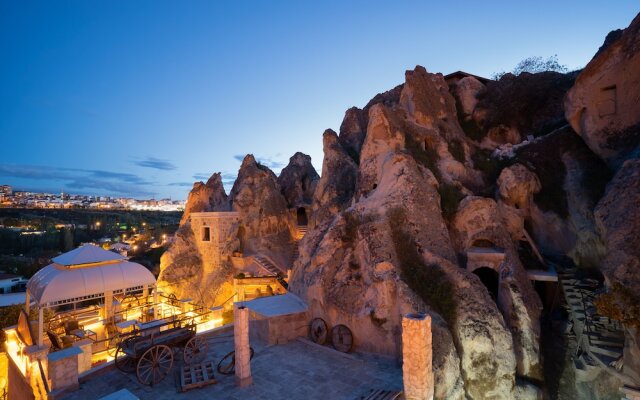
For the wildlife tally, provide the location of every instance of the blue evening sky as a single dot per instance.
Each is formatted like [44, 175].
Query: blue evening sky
[142, 98]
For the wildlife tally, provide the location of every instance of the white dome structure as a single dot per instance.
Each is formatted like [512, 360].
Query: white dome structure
[86, 273]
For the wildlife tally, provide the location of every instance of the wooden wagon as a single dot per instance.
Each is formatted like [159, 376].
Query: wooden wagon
[151, 356]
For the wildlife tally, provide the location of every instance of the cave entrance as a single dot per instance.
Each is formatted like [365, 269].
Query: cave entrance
[483, 243]
[241, 237]
[302, 216]
[490, 279]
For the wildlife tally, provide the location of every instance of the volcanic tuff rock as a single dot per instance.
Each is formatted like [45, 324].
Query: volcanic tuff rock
[369, 218]
[603, 106]
[517, 185]
[352, 131]
[338, 181]
[268, 226]
[298, 180]
[205, 197]
[182, 269]
[618, 219]
[466, 92]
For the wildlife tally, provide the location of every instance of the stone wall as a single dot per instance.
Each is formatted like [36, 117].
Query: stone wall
[220, 225]
[279, 329]
[18, 386]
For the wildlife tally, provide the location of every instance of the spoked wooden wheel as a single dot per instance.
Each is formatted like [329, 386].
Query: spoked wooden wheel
[227, 366]
[342, 338]
[195, 350]
[131, 300]
[154, 364]
[318, 330]
[114, 344]
[124, 362]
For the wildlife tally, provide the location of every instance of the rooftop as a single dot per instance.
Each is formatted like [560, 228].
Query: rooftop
[272, 306]
[86, 271]
[296, 370]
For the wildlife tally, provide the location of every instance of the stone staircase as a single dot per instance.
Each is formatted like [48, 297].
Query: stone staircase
[268, 265]
[630, 393]
[272, 268]
[600, 339]
[301, 231]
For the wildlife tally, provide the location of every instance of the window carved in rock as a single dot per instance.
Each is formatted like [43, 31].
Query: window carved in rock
[607, 101]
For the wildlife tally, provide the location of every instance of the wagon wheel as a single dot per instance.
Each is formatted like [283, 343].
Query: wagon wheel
[124, 362]
[114, 343]
[131, 300]
[318, 330]
[342, 338]
[195, 350]
[227, 366]
[154, 365]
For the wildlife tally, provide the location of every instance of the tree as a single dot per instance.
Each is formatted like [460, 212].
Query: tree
[534, 65]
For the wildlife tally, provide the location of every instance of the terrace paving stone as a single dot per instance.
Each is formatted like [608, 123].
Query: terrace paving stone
[295, 370]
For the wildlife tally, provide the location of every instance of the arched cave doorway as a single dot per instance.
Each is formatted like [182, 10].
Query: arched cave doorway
[490, 279]
[484, 243]
[241, 237]
[302, 216]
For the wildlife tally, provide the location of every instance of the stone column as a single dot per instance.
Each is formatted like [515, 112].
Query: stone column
[156, 304]
[63, 369]
[108, 305]
[84, 359]
[27, 305]
[40, 325]
[241, 341]
[417, 372]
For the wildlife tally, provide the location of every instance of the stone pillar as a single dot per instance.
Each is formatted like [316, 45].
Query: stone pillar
[241, 341]
[63, 369]
[108, 305]
[40, 325]
[417, 371]
[84, 359]
[156, 304]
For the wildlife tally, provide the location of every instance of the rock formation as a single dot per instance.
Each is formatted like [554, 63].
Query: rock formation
[379, 230]
[298, 181]
[267, 225]
[427, 198]
[603, 106]
[182, 267]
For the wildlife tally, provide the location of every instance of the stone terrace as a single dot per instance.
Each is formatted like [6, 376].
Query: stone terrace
[296, 370]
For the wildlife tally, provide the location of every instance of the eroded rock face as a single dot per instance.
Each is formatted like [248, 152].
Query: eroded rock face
[298, 181]
[602, 106]
[205, 197]
[618, 218]
[183, 269]
[268, 226]
[350, 269]
[352, 131]
[517, 185]
[466, 92]
[480, 220]
[338, 181]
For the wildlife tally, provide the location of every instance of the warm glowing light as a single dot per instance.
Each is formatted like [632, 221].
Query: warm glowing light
[15, 349]
[98, 224]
